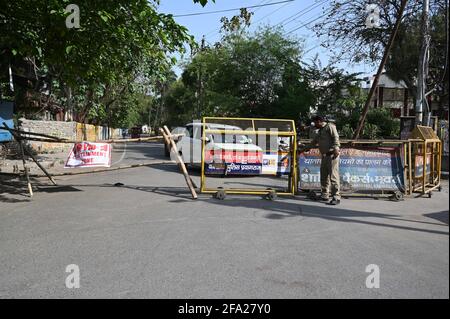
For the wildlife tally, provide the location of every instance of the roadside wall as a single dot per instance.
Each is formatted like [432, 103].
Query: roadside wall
[69, 130]
[55, 128]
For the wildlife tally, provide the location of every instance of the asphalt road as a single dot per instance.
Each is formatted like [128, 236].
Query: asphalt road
[148, 239]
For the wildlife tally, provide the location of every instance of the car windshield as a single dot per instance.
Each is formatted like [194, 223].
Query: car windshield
[231, 138]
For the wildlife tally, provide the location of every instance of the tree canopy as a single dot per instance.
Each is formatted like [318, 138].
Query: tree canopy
[346, 31]
[120, 49]
[253, 75]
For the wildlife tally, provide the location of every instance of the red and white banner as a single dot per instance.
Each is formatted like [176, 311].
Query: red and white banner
[87, 154]
[242, 157]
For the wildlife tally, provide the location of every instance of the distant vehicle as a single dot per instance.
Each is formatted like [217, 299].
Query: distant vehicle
[145, 129]
[135, 132]
[226, 147]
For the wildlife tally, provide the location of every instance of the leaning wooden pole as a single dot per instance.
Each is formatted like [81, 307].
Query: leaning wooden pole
[169, 146]
[25, 168]
[179, 160]
[362, 119]
[42, 168]
[17, 135]
[166, 138]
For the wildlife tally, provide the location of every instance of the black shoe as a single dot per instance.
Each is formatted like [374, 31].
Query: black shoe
[324, 199]
[334, 201]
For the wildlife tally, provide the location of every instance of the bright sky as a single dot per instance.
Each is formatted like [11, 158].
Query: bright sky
[306, 10]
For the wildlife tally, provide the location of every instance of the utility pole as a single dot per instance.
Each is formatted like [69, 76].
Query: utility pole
[199, 92]
[422, 68]
[150, 118]
[158, 110]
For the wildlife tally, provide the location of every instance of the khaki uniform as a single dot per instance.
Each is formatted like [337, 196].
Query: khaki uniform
[327, 139]
[312, 133]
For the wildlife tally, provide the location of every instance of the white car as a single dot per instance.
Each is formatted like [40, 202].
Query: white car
[217, 146]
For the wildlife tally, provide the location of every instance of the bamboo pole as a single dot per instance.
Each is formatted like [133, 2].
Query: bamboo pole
[181, 163]
[166, 139]
[387, 49]
[54, 139]
[5, 127]
[98, 170]
[19, 137]
[30, 189]
[42, 168]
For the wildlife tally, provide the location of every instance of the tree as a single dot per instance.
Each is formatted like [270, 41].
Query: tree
[247, 75]
[339, 95]
[120, 44]
[402, 64]
[330, 86]
[347, 31]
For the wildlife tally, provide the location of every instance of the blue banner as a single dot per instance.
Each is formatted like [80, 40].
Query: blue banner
[360, 169]
[6, 115]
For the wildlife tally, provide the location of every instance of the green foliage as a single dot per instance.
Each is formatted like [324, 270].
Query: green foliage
[237, 22]
[402, 63]
[387, 125]
[180, 103]
[333, 89]
[379, 121]
[248, 75]
[120, 46]
[341, 97]
[344, 31]
[203, 2]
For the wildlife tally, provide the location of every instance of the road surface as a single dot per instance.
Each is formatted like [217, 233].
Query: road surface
[148, 239]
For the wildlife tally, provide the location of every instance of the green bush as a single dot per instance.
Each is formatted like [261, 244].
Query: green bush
[388, 127]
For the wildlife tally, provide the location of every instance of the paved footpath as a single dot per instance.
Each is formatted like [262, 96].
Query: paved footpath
[148, 239]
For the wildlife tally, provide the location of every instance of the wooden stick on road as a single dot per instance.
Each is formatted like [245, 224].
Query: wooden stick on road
[188, 179]
[167, 139]
[30, 189]
[169, 147]
[42, 168]
[18, 136]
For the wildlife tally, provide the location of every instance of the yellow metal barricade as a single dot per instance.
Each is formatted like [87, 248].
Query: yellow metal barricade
[229, 150]
[425, 158]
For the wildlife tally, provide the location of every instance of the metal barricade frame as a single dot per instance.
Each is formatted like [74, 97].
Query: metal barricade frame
[423, 139]
[400, 147]
[292, 134]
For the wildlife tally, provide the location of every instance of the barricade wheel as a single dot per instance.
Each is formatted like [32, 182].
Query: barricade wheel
[220, 195]
[439, 188]
[429, 194]
[397, 196]
[312, 195]
[272, 195]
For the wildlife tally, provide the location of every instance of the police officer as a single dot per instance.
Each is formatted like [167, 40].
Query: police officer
[327, 139]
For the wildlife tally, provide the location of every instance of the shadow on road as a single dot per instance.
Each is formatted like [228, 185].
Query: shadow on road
[440, 216]
[280, 209]
[12, 187]
[178, 192]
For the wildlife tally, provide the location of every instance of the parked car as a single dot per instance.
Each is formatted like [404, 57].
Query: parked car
[218, 147]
